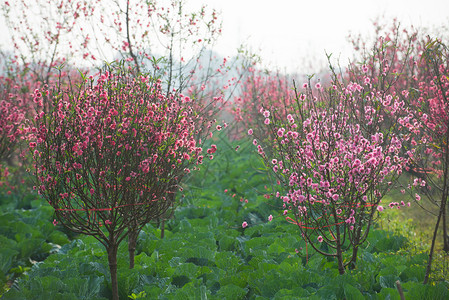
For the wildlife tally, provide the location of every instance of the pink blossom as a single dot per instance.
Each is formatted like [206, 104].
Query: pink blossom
[280, 132]
[212, 149]
[364, 68]
[266, 114]
[244, 224]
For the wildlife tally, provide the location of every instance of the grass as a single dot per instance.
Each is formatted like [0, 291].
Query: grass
[417, 224]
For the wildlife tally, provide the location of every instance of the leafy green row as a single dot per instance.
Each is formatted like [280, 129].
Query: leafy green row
[222, 263]
[26, 236]
[206, 254]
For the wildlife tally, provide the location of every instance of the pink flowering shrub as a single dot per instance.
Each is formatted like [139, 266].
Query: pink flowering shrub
[43, 36]
[46, 34]
[18, 84]
[15, 104]
[165, 38]
[427, 125]
[419, 66]
[11, 133]
[259, 89]
[334, 160]
[109, 154]
[11, 127]
[14, 109]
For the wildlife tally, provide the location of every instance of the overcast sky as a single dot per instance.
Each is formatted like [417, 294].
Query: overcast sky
[291, 32]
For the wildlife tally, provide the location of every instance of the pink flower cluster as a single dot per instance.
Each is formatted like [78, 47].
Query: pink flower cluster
[334, 159]
[11, 126]
[259, 91]
[116, 143]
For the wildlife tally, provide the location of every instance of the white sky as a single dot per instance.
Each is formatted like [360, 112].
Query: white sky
[291, 32]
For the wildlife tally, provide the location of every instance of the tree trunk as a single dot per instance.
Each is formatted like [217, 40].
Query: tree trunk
[353, 261]
[432, 247]
[400, 291]
[341, 265]
[445, 234]
[441, 214]
[112, 259]
[132, 243]
[355, 246]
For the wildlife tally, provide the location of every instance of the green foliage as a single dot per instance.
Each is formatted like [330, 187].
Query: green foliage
[206, 254]
[26, 236]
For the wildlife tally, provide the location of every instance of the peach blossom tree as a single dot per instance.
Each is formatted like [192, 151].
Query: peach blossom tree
[108, 153]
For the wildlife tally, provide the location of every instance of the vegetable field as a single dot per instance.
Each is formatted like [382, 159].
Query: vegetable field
[205, 253]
